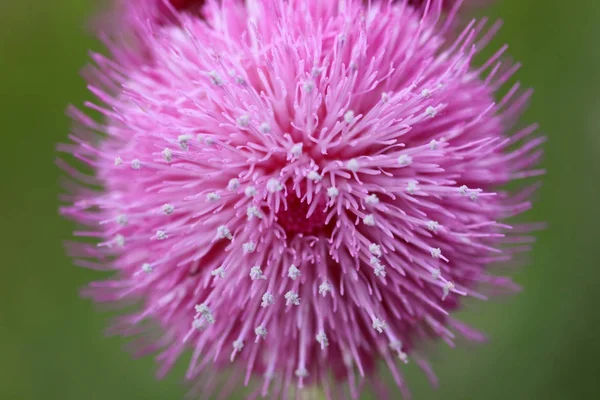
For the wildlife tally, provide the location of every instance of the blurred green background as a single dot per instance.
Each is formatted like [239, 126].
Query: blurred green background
[544, 343]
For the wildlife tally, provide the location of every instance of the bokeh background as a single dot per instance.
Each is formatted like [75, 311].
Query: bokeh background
[544, 343]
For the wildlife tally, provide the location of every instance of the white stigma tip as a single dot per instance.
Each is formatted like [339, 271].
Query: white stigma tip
[218, 272]
[349, 117]
[238, 345]
[264, 127]
[433, 144]
[122, 220]
[385, 97]
[168, 209]
[147, 268]
[448, 287]
[118, 161]
[412, 187]
[120, 240]
[256, 273]
[464, 189]
[233, 184]
[240, 80]
[213, 196]
[379, 271]
[250, 191]
[403, 357]
[433, 226]
[209, 318]
[353, 165]
[436, 252]
[332, 192]
[404, 160]
[296, 150]
[301, 373]
[316, 71]
[261, 331]
[202, 309]
[322, 339]
[325, 288]
[431, 112]
[293, 272]
[198, 324]
[249, 247]
[136, 164]
[215, 78]
[292, 298]
[397, 346]
[314, 176]
[161, 235]
[308, 86]
[375, 249]
[223, 232]
[205, 313]
[209, 140]
[273, 185]
[183, 141]
[167, 155]
[372, 199]
[379, 325]
[425, 93]
[436, 274]
[378, 268]
[267, 300]
[244, 120]
[369, 220]
[474, 194]
[253, 212]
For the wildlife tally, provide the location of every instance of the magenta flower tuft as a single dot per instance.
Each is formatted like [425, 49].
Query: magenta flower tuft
[299, 189]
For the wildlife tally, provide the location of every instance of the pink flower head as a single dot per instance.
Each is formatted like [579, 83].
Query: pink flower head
[298, 189]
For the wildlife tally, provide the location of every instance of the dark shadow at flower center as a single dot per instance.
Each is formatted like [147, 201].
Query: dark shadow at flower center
[295, 220]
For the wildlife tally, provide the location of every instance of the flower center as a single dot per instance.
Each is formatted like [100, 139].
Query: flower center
[295, 220]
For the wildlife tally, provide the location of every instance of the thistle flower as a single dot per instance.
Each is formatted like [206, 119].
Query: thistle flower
[299, 189]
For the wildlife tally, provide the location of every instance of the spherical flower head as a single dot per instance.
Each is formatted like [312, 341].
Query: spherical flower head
[216, 165]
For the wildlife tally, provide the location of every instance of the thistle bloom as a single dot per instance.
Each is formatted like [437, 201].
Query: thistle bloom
[295, 190]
